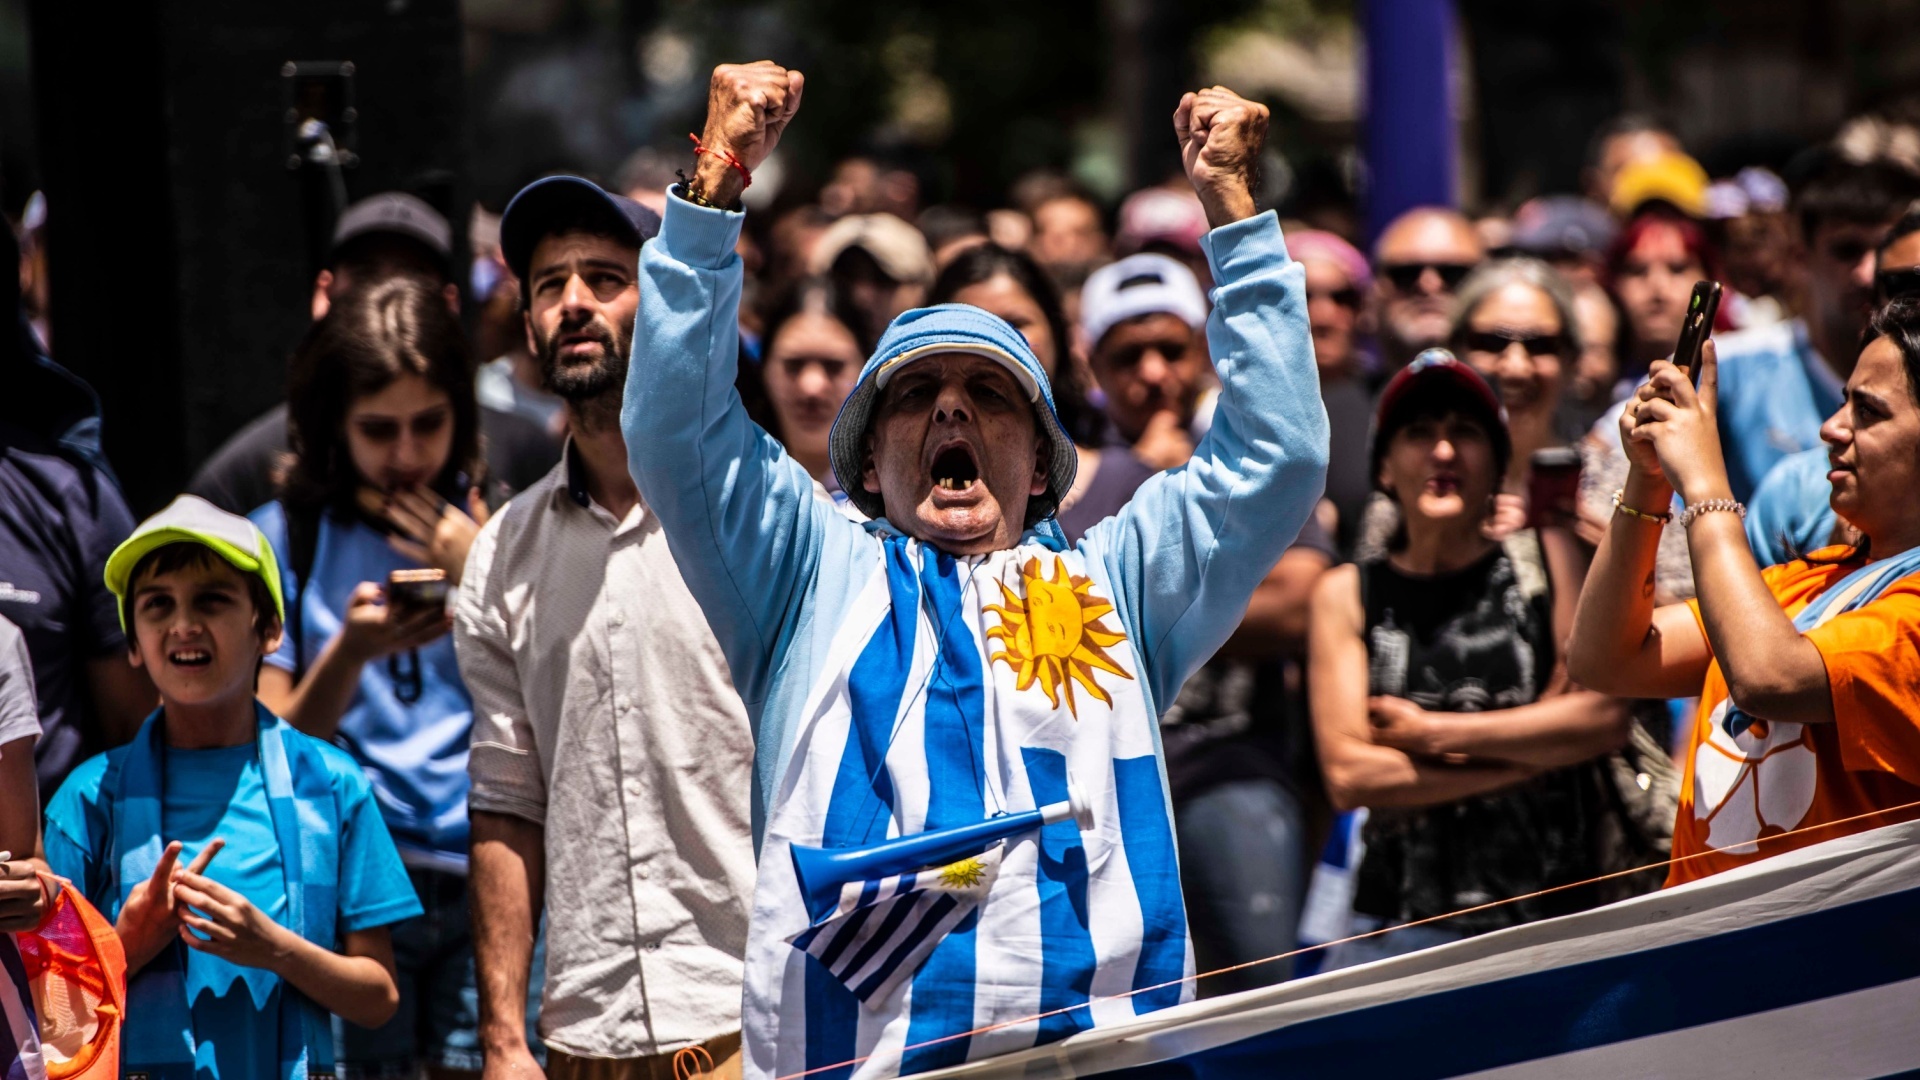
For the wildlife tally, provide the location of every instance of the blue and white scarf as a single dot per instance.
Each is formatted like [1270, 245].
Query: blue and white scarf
[158, 1037]
[1850, 593]
[956, 690]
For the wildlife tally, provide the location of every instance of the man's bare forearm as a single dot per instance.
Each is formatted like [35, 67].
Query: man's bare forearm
[508, 878]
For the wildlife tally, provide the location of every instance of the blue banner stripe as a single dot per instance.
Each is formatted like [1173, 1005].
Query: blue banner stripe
[1066, 940]
[862, 802]
[939, 909]
[943, 989]
[833, 1023]
[1148, 836]
[948, 976]
[1630, 996]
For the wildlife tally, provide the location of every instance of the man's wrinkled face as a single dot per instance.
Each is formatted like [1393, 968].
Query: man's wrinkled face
[1149, 364]
[582, 293]
[955, 453]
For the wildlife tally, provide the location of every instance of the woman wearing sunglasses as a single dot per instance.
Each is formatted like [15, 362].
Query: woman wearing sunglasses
[1515, 325]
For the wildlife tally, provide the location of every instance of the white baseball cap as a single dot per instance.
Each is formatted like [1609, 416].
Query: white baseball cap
[1145, 284]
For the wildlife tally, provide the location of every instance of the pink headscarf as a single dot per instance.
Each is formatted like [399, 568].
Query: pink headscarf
[1304, 244]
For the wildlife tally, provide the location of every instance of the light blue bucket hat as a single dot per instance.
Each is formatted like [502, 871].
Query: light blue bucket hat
[929, 331]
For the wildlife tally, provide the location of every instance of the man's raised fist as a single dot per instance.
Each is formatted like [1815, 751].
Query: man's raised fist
[748, 107]
[1220, 136]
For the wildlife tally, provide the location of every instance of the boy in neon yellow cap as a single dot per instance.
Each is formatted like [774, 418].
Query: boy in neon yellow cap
[233, 963]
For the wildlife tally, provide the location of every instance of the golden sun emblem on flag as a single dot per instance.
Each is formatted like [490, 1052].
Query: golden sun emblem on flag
[1054, 636]
[964, 874]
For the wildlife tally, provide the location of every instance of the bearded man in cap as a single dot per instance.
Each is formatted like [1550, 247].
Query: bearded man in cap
[953, 660]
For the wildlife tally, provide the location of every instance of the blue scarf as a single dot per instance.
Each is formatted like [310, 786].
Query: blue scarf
[158, 1036]
[1871, 580]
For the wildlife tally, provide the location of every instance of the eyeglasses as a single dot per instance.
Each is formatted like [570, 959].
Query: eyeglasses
[1348, 298]
[1497, 341]
[1896, 284]
[1406, 276]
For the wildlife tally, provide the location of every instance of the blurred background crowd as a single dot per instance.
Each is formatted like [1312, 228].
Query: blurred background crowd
[1535, 187]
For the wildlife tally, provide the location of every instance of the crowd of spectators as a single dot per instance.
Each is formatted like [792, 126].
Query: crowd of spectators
[1454, 671]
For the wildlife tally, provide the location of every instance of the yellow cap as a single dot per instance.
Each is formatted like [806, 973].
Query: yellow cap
[1674, 178]
[193, 520]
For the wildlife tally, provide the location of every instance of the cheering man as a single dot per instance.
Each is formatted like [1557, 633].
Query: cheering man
[954, 660]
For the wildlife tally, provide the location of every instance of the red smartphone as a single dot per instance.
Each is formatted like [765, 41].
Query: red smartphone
[1553, 487]
[1702, 307]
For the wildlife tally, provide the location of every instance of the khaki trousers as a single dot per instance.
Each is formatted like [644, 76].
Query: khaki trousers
[716, 1059]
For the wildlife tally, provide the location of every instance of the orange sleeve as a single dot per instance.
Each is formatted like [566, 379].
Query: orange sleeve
[1873, 670]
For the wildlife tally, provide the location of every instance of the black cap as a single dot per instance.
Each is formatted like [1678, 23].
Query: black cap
[572, 202]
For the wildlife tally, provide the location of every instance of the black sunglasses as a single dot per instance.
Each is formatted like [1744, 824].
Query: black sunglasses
[1348, 298]
[1896, 284]
[1406, 276]
[1497, 341]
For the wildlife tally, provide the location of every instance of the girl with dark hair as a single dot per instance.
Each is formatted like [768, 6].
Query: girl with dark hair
[1650, 269]
[384, 430]
[812, 354]
[1805, 671]
[1011, 285]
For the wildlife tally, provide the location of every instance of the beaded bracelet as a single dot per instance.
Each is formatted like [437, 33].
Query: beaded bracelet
[1622, 507]
[1712, 506]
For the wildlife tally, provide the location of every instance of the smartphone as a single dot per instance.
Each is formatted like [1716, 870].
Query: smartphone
[1553, 487]
[1702, 306]
[410, 592]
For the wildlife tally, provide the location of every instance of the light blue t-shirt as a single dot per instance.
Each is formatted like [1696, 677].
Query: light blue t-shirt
[1791, 513]
[415, 753]
[219, 793]
[209, 793]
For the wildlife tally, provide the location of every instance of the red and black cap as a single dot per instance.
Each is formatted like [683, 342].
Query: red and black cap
[1438, 381]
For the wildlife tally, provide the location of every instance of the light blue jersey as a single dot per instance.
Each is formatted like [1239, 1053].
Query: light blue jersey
[1775, 392]
[414, 751]
[1791, 514]
[895, 689]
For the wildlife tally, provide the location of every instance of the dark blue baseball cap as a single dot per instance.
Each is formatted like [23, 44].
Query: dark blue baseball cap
[557, 203]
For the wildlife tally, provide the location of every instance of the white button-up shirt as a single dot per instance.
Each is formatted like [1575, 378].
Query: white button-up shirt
[603, 710]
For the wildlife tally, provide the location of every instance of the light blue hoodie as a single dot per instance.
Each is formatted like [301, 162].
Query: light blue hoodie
[834, 632]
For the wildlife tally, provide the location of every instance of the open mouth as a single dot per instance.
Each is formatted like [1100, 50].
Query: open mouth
[954, 468]
[193, 658]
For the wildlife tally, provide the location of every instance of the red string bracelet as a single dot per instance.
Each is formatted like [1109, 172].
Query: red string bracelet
[746, 177]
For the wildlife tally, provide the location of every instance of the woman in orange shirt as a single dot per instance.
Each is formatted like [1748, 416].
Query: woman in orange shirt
[1808, 673]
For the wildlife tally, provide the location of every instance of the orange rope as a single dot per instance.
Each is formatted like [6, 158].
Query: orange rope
[1356, 937]
[691, 1063]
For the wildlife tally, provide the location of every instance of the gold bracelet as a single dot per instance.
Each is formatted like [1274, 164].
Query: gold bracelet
[1622, 507]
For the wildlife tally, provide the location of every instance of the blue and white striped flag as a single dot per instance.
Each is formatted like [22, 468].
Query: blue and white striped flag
[883, 930]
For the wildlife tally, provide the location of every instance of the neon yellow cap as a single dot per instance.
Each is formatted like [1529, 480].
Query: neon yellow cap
[191, 519]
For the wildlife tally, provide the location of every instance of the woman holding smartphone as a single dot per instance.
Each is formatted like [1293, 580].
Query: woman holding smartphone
[384, 430]
[1805, 671]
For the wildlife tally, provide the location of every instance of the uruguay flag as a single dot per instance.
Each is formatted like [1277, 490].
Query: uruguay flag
[882, 931]
[957, 690]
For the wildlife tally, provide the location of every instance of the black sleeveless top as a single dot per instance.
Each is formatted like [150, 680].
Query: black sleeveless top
[1475, 640]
